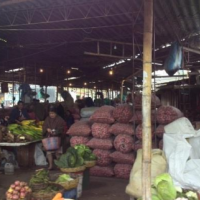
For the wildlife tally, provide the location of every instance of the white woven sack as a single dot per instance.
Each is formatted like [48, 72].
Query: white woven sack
[181, 126]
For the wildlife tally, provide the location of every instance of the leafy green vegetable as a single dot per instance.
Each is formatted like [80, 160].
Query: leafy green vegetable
[85, 152]
[163, 177]
[40, 176]
[64, 178]
[166, 190]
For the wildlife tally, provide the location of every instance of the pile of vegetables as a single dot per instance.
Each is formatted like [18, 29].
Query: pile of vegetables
[164, 189]
[29, 130]
[40, 176]
[18, 190]
[63, 178]
[70, 159]
[85, 152]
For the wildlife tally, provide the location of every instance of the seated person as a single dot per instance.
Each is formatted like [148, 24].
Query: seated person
[19, 114]
[53, 125]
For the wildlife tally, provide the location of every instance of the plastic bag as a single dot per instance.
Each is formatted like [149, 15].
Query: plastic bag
[183, 164]
[174, 61]
[39, 157]
[158, 166]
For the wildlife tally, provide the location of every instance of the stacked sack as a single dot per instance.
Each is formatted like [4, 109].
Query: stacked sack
[102, 142]
[165, 115]
[79, 132]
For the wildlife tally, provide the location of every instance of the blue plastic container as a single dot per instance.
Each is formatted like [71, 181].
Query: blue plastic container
[70, 194]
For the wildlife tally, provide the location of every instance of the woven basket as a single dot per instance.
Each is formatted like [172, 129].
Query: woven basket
[75, 169]
[44, 196]
[90, 164]
[66, 185]
[38, 186]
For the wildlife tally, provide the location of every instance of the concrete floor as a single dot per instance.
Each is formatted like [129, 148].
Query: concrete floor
[100, 188]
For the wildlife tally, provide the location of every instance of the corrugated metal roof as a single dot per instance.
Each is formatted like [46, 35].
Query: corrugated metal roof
[68, 23]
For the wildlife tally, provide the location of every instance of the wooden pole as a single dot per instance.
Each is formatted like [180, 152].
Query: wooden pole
[146, 99]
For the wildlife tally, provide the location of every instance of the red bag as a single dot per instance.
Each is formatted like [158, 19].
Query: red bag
[78, 140]
[105, 144]
[103, 158]
[123, 113]
[124, 143]
[160, 131]
[119, 128]
[122, 170]
[100, 130]
[168, 114]
[138, 132]
[102, 171]
[51, 143]
[122, 158]
[103, 115]
[80, 128]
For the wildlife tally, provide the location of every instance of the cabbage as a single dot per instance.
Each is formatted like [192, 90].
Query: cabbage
[191, 194]
[163, 177]
[166, 190]
[64, 178]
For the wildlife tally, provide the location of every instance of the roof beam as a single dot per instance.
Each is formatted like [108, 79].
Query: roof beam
[11, 2]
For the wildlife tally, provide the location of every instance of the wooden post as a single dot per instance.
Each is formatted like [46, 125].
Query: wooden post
[146, 99]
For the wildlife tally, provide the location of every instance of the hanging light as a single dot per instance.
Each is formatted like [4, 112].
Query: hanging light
[95, 87]
[68, 71]
[85, 83]
[111, 72]
[41, 70]
[70, 84]
[115, 47]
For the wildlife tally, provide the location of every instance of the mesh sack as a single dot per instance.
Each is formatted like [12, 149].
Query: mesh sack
[104, 144]
[168, 114]
[100, 130]
[138, 131]
[78, 140]
[80, 128]
[123, 113]
[122, 170]
[120, 128]
[137, 117]
[103, 157]
[103, 115]
[160, 131]
[102, 171]
[124, 143]
[122, 158]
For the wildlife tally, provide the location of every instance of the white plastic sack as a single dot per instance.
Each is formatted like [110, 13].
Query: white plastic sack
[88, 112]
[158, 166]
[181, 125]
[179, 153]
[39, 157]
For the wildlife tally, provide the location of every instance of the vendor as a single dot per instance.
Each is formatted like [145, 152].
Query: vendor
[19, 114]
[4, 121]
[53, 125]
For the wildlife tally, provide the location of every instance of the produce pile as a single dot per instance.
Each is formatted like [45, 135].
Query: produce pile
[163, 188]
[28, 131]
[114, 138]
[75, 157]
[18, 190]
[42, 184]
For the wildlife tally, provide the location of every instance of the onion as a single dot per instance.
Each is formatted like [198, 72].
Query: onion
[15, 192]
[10, 190]
[16, 197]
[17, 183]
[9, 196]
[22, 195]
[22, 190]
[18, 188]
[12, 186]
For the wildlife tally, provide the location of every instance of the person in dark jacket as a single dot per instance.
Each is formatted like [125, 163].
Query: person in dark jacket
[19, 114]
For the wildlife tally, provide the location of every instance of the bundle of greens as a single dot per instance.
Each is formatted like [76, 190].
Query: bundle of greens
[163, 189]
[40, 176]
[63, 178]
[70, 159]
[85, 152]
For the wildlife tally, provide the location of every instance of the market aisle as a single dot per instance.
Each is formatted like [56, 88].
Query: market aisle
[105, 189]
[99, 189]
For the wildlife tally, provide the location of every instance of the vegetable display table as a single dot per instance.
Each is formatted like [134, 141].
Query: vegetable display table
[24, 152]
